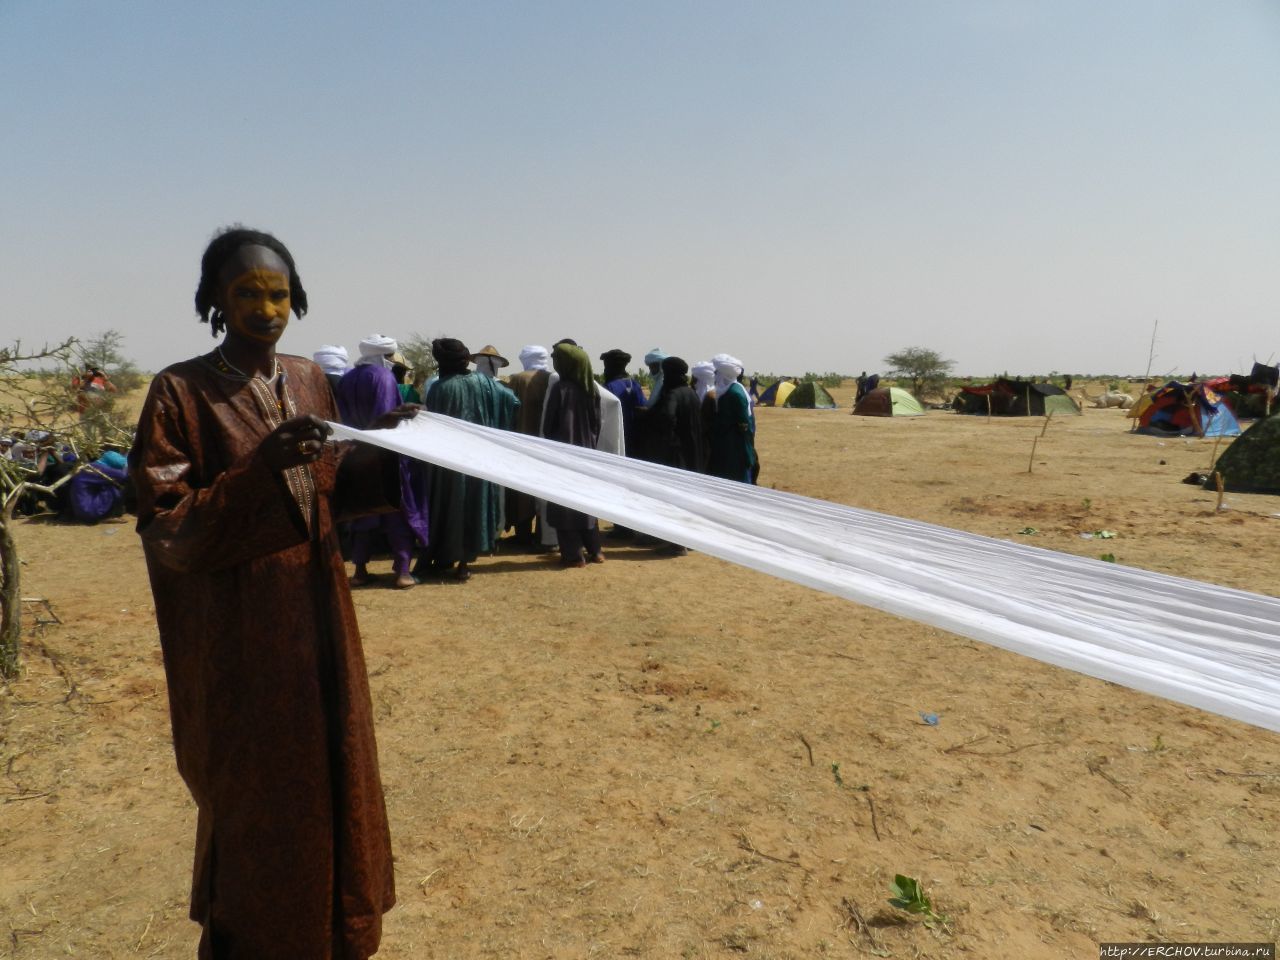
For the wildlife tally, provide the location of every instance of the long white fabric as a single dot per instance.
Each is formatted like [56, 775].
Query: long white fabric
[1196, 643]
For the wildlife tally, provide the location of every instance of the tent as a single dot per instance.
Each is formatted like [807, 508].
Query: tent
[810, 395]
[1187, 409]
[777, 393]
[888, 402]
[1252, 396]
[1015, 398]
[1252, 463]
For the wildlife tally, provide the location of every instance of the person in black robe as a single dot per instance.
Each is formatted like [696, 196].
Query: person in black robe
[676, 423]
[572, 415]
[675, 427]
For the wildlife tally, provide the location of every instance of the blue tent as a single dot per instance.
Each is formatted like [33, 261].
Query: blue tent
[1220, 422]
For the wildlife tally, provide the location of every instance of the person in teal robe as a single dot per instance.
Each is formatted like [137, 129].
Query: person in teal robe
[733, 427]
[466, 512]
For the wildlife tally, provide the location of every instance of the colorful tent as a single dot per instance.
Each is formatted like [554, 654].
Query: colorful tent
[1015, 398]
[888, 402]
[1252, 396]
[1252, 463]
[810, 395]
[1187, 409]
[777, 393]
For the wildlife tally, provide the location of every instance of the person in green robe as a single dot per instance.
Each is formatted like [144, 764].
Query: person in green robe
[466, 512]
[733, 427]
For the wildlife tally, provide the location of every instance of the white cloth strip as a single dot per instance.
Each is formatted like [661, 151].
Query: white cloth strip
[1208, 646]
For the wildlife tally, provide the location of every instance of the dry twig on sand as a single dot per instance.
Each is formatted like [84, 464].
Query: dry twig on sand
[875, 828]
[1095, 766]
[806, 746]
[745, 843]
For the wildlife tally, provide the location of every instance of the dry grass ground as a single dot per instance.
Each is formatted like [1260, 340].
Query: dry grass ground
[677, 758]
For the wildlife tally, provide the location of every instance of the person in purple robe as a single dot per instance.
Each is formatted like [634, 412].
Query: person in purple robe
[97, 491]
[366, 392]
[627, 389]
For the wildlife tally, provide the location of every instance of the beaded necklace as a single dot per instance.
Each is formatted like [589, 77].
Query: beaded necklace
[275, 368]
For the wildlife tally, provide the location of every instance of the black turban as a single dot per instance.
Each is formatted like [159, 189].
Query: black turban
[452, 356]
[615, 364]
[674, 371]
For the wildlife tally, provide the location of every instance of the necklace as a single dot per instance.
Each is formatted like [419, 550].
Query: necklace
[275, 367]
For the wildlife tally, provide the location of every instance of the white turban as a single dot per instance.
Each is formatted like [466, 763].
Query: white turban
[703, 373]
[377, 350]
[331, 359]
[728, 369]
[534, 357]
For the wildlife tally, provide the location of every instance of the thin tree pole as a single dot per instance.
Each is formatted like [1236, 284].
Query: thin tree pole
[1151, 352]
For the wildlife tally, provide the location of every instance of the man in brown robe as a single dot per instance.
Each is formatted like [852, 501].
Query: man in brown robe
[272, 723]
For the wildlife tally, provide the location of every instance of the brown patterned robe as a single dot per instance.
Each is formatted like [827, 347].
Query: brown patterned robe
[272, 724]
[530, 387]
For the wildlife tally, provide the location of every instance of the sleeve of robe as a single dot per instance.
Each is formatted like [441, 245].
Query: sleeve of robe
[612, 439]
[551, 406]
[236, 515]
[740, 412]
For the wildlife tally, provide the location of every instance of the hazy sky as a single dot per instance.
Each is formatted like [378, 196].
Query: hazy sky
[1023, 186]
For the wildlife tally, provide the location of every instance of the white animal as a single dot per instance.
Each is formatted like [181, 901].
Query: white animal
[1110, 398]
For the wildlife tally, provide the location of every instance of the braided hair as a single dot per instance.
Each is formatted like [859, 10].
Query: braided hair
[221, 251]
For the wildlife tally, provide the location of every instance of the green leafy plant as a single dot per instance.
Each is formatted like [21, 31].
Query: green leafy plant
[1028, 531]
[922, 370]
[1107, 557]
[835, 772]
[909, 895]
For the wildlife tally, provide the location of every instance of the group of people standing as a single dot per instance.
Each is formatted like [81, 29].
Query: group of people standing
[697, 418]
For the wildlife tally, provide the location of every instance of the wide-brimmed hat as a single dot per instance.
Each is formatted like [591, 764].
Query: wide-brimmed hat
[489, 351]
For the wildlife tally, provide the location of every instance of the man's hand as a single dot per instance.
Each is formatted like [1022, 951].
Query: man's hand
[393, 418]
[294, 442]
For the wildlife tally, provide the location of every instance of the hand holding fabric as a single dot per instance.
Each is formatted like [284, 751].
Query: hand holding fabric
[393, 418]
[294, 442]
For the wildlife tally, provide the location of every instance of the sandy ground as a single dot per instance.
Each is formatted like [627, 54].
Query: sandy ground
[678, 758]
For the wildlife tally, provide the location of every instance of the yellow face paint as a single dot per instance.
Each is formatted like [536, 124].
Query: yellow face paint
[256, 305]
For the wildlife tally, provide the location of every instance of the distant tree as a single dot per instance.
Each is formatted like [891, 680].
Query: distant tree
[924, 369]
[105, 351]
[417, 354]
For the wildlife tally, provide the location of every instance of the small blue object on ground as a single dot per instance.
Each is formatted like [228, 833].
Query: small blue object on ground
[931, 719]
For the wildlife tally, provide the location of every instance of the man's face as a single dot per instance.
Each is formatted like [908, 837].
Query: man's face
[255, 299]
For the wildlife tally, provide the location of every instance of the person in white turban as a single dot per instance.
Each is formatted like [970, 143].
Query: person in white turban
[534, 357]
[377, 350]
[703, 374]
[332, 359]
[732, 428]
